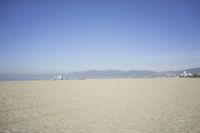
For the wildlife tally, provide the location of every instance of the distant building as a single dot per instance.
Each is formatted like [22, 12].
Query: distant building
[185, 74]
[60, 77]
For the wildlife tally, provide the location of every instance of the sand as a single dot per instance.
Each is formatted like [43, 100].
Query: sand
[101, 106]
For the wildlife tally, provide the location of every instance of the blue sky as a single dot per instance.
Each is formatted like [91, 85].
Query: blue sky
[66, 36]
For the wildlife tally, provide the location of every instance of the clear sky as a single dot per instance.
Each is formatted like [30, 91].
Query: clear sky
[41, 36]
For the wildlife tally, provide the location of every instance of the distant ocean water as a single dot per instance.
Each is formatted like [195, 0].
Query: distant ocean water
[24, 77]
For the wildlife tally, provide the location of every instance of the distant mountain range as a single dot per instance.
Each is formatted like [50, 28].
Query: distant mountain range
[95, 74]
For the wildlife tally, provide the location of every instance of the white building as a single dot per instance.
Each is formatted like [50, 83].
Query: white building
[60, 77]
[185, 74]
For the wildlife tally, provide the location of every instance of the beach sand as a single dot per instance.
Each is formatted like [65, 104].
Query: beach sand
[101, 106]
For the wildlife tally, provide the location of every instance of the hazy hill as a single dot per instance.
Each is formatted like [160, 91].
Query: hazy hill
[126, 74]
[110, 74]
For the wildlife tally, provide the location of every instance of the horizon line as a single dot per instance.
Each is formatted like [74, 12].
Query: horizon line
[47, 73]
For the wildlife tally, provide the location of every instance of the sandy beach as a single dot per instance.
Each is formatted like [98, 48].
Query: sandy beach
[101, 106]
